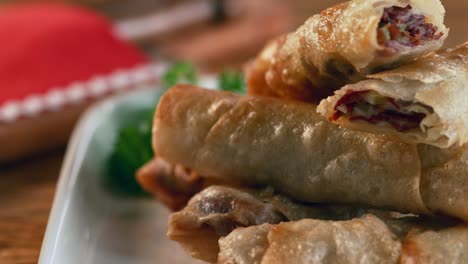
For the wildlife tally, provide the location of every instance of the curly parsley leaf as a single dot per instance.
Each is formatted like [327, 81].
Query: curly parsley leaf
[232, 81]
[133, 145]
[180, 72]
[131, 150]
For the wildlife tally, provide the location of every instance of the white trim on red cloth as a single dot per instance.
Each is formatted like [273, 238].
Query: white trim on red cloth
[75, 93]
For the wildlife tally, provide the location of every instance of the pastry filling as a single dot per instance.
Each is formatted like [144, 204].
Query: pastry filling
[372, 107]
[400, 27]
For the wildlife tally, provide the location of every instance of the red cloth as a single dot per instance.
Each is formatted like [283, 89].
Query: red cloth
[46, 46]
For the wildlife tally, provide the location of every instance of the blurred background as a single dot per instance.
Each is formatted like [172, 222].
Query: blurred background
[203, 31]
[212, 34]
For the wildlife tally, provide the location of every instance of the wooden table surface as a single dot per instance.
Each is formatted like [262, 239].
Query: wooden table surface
[27, 187]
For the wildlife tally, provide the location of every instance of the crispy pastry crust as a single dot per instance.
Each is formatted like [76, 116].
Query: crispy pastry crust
[264, 141]
[360, 240]
[439, 81]
[214, 213]
[444, 246]
[218, 210]
[245, 223]
[336, 47]
[285, 144]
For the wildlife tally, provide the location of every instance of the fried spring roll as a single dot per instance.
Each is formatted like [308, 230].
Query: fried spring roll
[245, 245]
[344, 44]
[444, 181]
[214, 213]
[443, 246]
[422, 102]
[360, 240]
[217, 211]
[287, 145]
[173, 185]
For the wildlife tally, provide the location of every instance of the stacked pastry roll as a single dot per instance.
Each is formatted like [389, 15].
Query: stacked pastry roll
[375, 173]
[344, 44]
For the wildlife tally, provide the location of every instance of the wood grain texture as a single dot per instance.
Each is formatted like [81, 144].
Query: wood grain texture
[27, 188]
[26, 192]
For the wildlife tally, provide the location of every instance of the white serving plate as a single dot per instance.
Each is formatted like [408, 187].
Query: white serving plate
[89, 224]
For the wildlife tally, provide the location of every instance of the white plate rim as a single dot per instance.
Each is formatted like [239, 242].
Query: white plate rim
[74, 155]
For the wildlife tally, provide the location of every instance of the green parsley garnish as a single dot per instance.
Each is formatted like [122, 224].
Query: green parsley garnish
[232, 81]
[133, 145]
[131, 150]
[180, 72]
